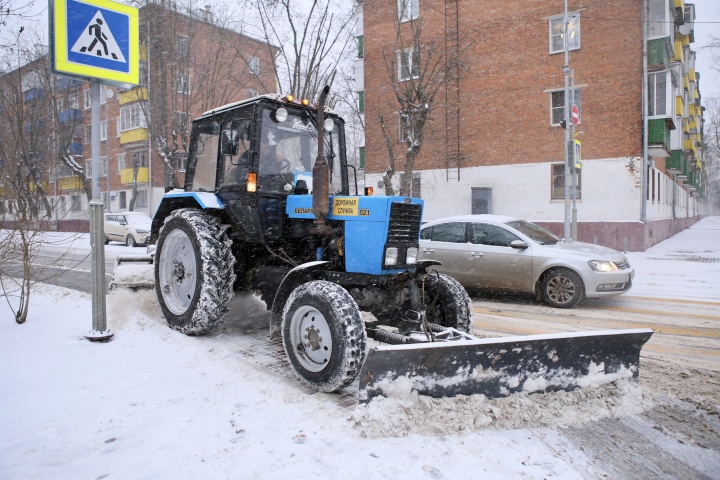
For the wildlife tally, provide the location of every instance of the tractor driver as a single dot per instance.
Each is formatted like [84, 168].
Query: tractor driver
[275, 170]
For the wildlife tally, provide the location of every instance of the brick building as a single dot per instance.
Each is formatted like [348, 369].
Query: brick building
[495, 141]
[189, 64]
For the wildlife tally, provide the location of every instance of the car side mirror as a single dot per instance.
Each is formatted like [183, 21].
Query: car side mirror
[519, 244]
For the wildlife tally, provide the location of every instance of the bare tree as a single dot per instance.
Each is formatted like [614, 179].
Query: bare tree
[13, 14]
[30, 133]
[416, 68]
[711, 151]
[312, 37]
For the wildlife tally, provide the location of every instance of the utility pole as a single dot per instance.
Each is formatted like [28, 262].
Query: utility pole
[567, 71]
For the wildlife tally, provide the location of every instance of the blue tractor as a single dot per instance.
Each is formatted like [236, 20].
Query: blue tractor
[270, 204]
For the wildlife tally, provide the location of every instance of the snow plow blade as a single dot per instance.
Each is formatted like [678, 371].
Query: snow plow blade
[498, 367]
[133, 272]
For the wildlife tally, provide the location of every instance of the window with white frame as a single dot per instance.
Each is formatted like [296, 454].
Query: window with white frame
[405, 129]
[121, 162]
[557, 105]
[87, 95]
[88, 134]
[557, 190]
[183, 46]
[138, 159]
[103, 167]
[408, 10]
[408, 64]
[103, 130]
[660, 95]
[558, 34]
[122, 200]
[182, 83]
[181, 122]
[254, 65]
[76, 203]
[132, 116]
[141, 199]
[660, 22]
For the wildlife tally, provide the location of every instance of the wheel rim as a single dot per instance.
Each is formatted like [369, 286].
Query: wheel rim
[177, 272]
[311, 338]
[561, 289]
[130, 241]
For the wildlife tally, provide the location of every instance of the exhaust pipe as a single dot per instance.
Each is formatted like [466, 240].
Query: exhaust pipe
[321, 172]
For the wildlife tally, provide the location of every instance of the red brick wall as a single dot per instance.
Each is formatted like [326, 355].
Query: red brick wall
[507, 68]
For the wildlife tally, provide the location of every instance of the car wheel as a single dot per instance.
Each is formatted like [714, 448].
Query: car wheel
[323, 335]
[130, 241]
[194, 273]
[562, 288]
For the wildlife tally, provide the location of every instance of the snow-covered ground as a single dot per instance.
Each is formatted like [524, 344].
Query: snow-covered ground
[153, 403]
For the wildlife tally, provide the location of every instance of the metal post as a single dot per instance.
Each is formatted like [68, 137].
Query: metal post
[566, 71]
[99, 331]
[573, 168]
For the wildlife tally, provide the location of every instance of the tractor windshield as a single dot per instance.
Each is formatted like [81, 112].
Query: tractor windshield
[288, 150]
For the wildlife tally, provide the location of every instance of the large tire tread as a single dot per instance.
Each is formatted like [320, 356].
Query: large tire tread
[453, 306]
[216, 273]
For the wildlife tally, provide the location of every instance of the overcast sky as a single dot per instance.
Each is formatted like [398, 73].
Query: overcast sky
[707, 23]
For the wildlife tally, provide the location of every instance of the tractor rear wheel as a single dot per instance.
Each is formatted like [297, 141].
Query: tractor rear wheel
[323, 335]
[193, 271]
[447, 303]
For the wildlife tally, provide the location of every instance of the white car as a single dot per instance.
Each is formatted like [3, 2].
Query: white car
[131, 228]
[508, 254]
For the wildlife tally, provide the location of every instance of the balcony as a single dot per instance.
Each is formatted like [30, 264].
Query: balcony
[134, 135]
[75, 148]
[69, 183]
[133, 95]
[143, 176]
[32, 94]
[64, 83]
[675, 163]
[34, 127]
[71, 115]
[658, 138]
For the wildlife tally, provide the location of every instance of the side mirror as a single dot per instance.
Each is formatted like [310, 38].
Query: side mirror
[519, 244]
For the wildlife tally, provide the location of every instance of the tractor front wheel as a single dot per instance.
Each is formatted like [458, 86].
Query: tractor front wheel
[193, 271]
[323, 335]
[447, 303]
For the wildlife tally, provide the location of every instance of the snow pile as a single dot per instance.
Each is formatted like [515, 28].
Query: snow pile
[403, 412]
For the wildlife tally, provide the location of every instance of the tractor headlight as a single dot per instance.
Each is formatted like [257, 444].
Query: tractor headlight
[281, 115]
[602, 266]
[391, 256]
[412, 255]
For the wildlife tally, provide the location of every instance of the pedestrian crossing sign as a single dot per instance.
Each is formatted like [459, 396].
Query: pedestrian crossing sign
[95, 39]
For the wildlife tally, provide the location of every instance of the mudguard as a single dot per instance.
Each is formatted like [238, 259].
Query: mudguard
[498, 367]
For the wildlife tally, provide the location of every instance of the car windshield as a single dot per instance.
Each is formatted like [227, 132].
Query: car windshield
[535, 232]
[138, 219]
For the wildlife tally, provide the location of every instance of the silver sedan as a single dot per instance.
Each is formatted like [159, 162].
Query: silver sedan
[496, 252]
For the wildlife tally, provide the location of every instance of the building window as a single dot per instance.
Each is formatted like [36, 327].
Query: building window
[121, 162]
[131, 117]
[253, 93]
[183, 46]
[557, 34]
[361, 102]
[361, 45]
[660, 22]
[408, 10]
[361, 156]
[103, 167]
[183, 83]
[558, 182]
[88, 134]
[254, 65]
[139, 159]
[141, 199]
[181, 161]
[88, 97]
[76, 203]
[181, 122]
[122, 200]
[660, 95]
[103, 130]
[557, 105]
[408, 64]
[405, 128]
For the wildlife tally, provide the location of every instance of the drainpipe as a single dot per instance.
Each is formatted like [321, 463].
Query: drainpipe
[643, 193]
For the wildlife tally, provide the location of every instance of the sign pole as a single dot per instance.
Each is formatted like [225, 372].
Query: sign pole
[100, 332]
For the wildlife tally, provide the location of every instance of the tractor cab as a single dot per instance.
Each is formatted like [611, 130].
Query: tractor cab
[264, 146]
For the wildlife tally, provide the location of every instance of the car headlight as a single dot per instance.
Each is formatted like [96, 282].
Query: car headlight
[602, 266]
[411, 256]
[391, 256]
